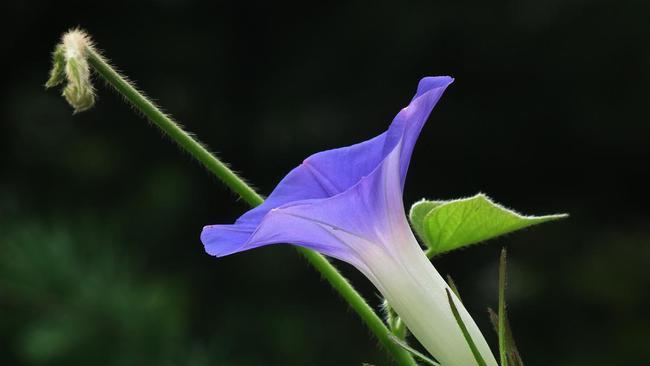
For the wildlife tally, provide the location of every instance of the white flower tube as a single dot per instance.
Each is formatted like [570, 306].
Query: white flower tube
[417, 293]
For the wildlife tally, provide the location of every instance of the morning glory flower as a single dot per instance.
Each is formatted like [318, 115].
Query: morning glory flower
[347, 203]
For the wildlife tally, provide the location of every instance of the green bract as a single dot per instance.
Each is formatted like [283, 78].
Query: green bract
[447, 225]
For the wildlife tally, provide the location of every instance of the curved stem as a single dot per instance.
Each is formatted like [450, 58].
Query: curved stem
[227, 176]
[173, 130]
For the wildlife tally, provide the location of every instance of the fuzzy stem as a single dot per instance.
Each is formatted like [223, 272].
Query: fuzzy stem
[173, 130]
[503, 352]
[228, 177]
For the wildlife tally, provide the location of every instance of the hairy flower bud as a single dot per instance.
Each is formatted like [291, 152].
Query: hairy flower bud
[70, 64]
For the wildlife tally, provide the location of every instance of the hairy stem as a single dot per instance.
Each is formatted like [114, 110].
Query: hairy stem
[172, 129]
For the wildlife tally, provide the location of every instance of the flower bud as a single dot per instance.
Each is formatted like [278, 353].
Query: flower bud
[70, 64]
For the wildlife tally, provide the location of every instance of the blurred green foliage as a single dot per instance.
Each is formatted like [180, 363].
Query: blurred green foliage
[74, 299]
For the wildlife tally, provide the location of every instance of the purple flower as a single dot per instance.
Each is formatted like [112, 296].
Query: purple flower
[346, 203]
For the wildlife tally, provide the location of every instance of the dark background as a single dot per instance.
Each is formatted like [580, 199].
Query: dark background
[100, 258]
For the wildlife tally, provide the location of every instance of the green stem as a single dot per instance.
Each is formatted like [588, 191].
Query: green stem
[227, 176]
[173, 130]
[503, 352]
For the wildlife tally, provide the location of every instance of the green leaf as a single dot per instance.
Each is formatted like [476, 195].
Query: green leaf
[449, 225]
[419, 211]
[514, 358]
[468, 338]
[509, 355]
[501, 324]
[452, 286]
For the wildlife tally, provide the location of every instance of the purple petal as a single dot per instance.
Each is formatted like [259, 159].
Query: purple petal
[409, 121]
[344, 226]
[329, 173]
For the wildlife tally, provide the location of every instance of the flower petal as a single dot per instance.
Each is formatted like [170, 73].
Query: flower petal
[409, 121]
[329, 173]
[366, 217]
